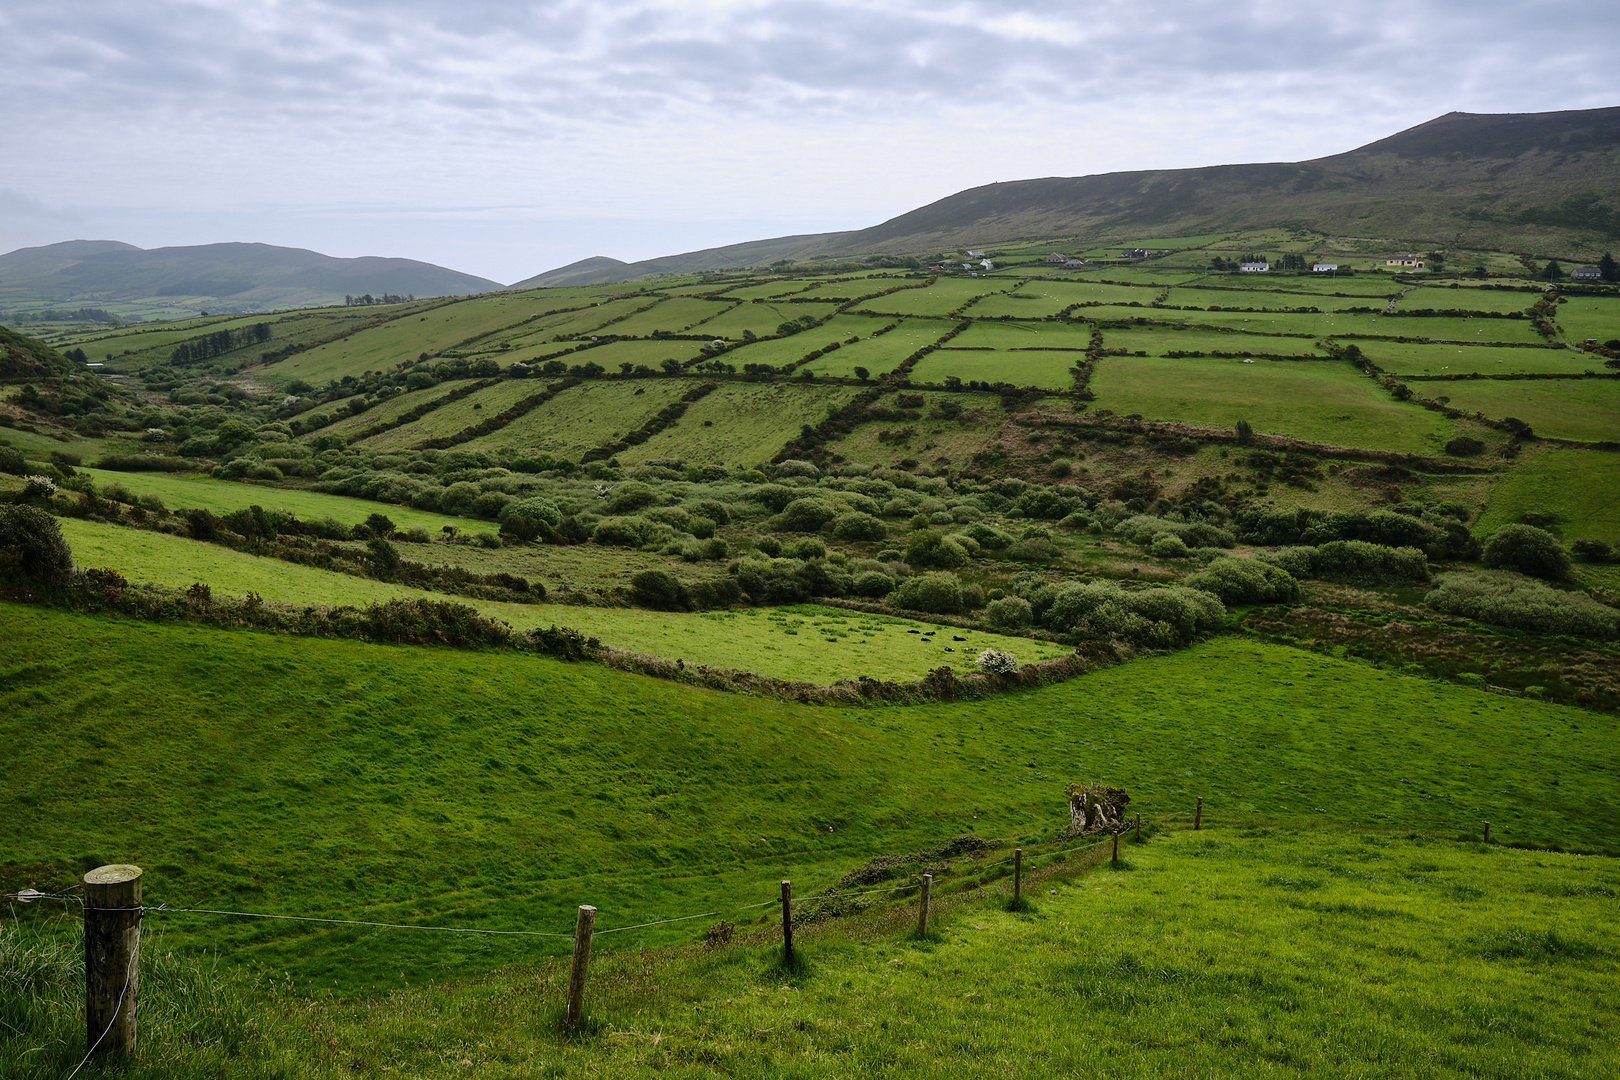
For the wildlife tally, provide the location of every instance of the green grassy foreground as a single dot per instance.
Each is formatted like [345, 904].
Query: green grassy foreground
[1233, 952]
[265, 773]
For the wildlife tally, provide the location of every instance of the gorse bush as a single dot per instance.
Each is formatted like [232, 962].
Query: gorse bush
[1144, 529]
[1528, 550]
[33, 554]
[1441, 533]
[936, 593]
[1158, 618]
[1508, 599]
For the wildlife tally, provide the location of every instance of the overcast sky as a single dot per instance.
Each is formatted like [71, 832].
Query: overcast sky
[503, 139]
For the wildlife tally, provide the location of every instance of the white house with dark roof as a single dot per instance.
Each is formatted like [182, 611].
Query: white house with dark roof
[1586, 273]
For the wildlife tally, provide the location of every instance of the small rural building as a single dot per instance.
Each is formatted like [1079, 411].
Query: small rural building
[1074, 264]
[987, 264]
[1406, 260]
[1057, 258]
[1254, 267]
[1134, 253]
[1586, 273]
[975, 254]
[1323, 268]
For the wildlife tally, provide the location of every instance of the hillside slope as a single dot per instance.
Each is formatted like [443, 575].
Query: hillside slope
[240, 276]
[1539, 182]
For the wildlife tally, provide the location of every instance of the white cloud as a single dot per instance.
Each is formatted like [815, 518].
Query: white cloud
[814, 114]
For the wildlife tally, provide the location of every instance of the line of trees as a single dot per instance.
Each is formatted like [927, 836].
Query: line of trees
[385, 298]
[218, 343]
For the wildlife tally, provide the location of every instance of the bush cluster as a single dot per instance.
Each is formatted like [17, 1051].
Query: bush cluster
[1508, 599]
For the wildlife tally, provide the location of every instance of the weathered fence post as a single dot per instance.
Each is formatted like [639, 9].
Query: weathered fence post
[112, 956]
[1018, 874]
[922, 907]
[1198, 815]
[1487, 832]
[1115, 859]
[787, 923]
[584, 926]
[1138, 828]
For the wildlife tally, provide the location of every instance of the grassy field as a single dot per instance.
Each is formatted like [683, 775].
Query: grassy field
[1414, 358]
[741, 423]
[1205, 297]
[406, 337]
[809, 643]
[1044, 369]
[1158, 340]
[1321, 402]
[181, 491]
[584, 416]
[790, 349]
[1441, 298]
[457, 416]
[381, 413]
[499, 790]
[1590, 317]
[881, 354]
[1034, 301]
[953, 440]
[1314, 956]
[1580, 487]
[651, 353]
[1586, 410]
[941, 298]
[678, 315]
[1013, 335]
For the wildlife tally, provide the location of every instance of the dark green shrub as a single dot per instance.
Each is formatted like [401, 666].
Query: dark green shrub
[492, 504]
[987, 537]
[1507, 599]
[1528, 550]
[1144, 529]
[768, 545]
[380, 524]
[383, 555]
[808, 548]
[1464, 446]
[1168, 547]
[1009, 613]
[856, 526]
[773, 581]
[805, 515]
[656, 589]
[937, 593]
[1245, 581]
[530, 519]
[13, 462]
[700, 527]
[714, 511]
[873, 583]
[929, 547]
[629, 498]
[1592, 550]
[1298, 561]
[1355, 562]
[33, 554]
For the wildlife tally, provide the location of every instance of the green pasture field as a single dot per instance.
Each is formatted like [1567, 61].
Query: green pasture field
[403, 339]
[1030, 302]
[1319, 402]
[864, 286]
[1585, 317]
[457, 416]
[1427, 358]
[747, 423]
[767, 289]
[806, 642]
[1366, 288]
[1304, 327]
[650, 352]
[143, 337]
[762, 318]
[1587, 410]
[152, 348]
[1011, 335]
[583, 417]
[1441, 297]
[790, 349]
[1581, 488]
[1044, 369]
[1258, 298]
[1077, 290]
[941, 298]
[578, 317]
[881, 354]
[499, 790]
[1474, 331]
[38, 446]
[678, 315]
[382, 412]
[953, 440]
[1158, 339]
[187, 491]
[1319, 953]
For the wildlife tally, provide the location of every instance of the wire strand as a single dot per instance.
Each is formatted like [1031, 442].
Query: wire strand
[160, 910]
[129, 974]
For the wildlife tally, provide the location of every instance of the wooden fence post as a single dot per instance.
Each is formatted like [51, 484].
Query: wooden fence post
[1018, 874]
[584, 926]
[1115, 859]
[112, 956]
[1138, 828]
[922, 907]
[787, 923]
[1198, 815]
[1487, 832]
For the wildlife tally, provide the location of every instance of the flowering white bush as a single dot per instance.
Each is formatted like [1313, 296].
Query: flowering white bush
[39, 487]
[997, 662]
